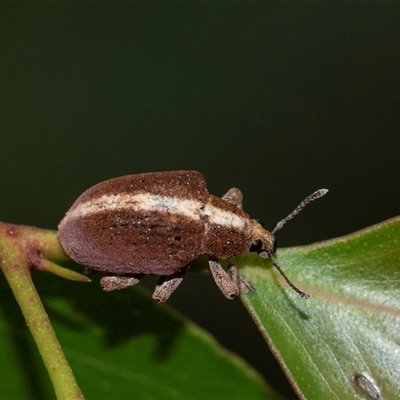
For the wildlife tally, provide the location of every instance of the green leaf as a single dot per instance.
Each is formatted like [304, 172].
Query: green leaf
[344, 342]
[120, 345]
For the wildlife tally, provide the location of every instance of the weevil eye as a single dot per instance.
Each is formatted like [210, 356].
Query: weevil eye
[256, 245]
[274, 246]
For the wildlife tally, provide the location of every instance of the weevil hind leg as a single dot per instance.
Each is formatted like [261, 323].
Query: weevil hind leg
[245, 285]
[234, 196]
[109, 283]
[228, 287]
[167, 285]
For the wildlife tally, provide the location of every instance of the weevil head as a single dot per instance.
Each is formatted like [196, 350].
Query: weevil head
[261, 241]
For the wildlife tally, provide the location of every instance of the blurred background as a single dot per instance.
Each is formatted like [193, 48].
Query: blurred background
[278, 99]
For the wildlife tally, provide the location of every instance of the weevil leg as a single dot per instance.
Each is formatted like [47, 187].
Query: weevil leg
[227, 286]
[234, 196]
[167, 285]
[109, 283]
[244, 284]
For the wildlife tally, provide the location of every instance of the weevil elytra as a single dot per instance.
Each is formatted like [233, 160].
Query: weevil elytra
[157, 224]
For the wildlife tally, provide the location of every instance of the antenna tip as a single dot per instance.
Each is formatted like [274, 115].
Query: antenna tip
[304, 295]
[319, 193]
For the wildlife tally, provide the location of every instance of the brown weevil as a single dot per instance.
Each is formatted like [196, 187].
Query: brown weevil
[157, 224]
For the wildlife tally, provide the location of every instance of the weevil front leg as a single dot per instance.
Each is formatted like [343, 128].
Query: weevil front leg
[109, 283]
[167, 285]
[228, 287]
[245, 285]
[234, 196]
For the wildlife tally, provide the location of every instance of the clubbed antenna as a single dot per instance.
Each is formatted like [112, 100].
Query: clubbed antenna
[316, 195]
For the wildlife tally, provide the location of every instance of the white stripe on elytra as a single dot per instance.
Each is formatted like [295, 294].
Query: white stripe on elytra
[221, 217]
[148, 203]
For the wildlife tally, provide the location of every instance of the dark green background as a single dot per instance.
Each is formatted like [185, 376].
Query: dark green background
[278, 99]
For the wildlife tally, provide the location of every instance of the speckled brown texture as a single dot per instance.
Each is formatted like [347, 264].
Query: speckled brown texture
[157, 223]
[125, 244]
[183, 184]
[125, 241]
[128, 241]
[226, 242]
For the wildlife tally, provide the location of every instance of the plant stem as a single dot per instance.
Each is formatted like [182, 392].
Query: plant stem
[15, 263]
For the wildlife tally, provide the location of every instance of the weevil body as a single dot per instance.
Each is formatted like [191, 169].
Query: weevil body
[157, 223]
